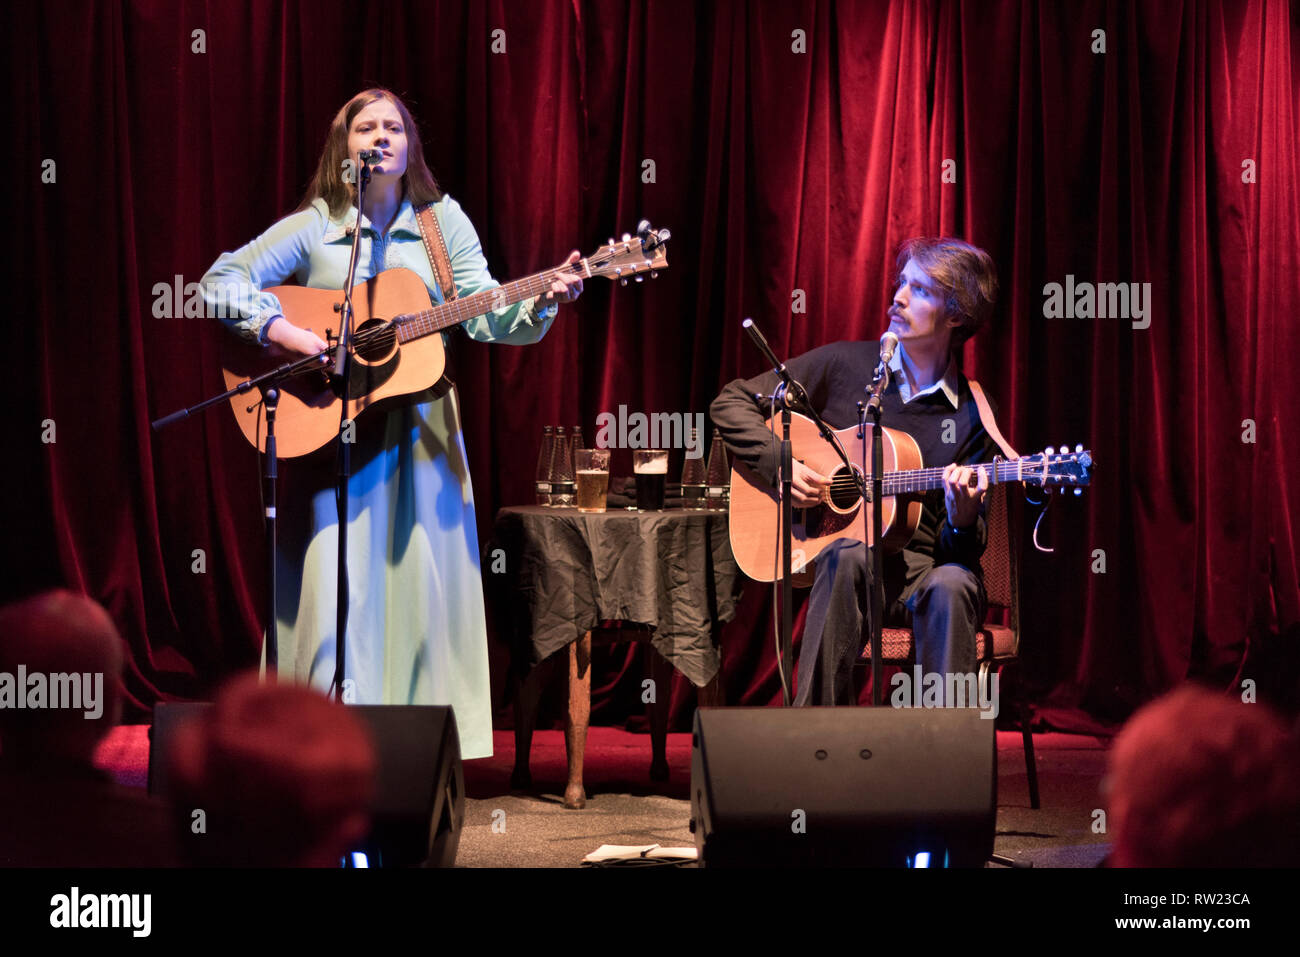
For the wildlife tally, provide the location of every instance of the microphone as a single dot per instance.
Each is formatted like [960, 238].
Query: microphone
[761, 341]
[888, 343]
[371, 157]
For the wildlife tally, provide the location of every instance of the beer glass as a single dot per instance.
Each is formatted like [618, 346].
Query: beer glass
[650, 466]
[593, 479]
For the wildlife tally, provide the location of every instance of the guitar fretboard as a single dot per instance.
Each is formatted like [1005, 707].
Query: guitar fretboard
[415, 325]
[925, 480]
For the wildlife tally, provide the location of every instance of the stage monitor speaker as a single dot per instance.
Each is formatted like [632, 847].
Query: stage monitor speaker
[420, 795]
[843, 787]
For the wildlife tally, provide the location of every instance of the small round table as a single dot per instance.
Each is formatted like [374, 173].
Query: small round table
[559, 574]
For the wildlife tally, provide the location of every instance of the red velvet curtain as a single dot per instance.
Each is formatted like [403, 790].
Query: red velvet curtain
[790, 147]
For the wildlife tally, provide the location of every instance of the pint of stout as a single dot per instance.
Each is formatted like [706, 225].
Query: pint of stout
[593, 479]
[651, 469]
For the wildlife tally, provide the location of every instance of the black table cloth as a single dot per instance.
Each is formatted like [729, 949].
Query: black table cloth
[567, 571]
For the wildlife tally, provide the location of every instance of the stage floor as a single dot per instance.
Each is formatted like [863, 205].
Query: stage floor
[625, 807]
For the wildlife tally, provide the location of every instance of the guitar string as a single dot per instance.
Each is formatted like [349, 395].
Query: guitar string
[901, 481]
[384, 336]
[388, 333]
[897, 483]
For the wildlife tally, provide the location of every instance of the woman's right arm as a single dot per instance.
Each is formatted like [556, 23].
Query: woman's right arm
[232, 288]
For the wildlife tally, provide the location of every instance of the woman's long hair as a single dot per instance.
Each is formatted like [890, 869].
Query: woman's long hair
[328, 183]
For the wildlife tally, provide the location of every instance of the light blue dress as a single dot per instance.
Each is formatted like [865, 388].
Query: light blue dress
[417, 632]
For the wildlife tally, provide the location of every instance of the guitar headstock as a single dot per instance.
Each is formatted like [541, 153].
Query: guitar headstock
[1061, 470]
[632, 256]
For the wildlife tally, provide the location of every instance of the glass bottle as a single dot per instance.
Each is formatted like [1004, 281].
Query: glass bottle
[545, 463]
[563, 480]
[694, 481]
[719, 474]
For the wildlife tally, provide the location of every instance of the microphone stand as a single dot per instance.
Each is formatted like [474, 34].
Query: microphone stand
[875, 502]
[268, 383]
[340, 380]
[788, 393]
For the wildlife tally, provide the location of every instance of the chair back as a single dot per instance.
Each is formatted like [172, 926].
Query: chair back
[1000, 562]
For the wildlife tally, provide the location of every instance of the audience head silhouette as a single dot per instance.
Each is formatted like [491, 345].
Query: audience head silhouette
[283, 777]
[1199, 780]
[61, 652]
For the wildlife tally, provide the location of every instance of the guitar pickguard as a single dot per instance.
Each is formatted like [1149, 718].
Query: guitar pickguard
[820, 521]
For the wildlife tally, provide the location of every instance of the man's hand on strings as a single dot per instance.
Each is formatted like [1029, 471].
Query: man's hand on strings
[806, 486]
[963, 501]
[567, 286]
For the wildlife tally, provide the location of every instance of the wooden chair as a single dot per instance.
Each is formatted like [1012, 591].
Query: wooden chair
[997, 644]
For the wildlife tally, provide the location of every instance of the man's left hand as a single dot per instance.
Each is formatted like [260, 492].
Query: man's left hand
[962, 500]
[567, 286]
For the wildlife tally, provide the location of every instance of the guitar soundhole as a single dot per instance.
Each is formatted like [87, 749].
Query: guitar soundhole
[844, 491]
[375, 341]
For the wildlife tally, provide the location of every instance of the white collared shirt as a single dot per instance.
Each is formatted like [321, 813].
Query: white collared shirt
[947, 382]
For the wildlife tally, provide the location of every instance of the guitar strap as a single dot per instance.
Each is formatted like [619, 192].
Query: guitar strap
[436, 247]
[987, 420]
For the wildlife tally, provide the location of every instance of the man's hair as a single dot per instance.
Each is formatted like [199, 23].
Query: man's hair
[966, 276]
[328, 183]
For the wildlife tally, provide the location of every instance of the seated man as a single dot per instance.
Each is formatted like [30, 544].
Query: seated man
[945, 292]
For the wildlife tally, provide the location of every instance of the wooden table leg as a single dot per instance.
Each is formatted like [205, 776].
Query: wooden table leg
[661, 672]
[710, 696]
[578, 718]
[528, 692]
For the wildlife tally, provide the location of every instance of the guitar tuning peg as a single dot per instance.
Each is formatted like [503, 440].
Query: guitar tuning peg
[627, 237]
[643, 228]
[1078, 448]
[639, 277]
[623, 281]
[1050, 450]
[611, 240]
[1078, 491]
[1064, 448]
[654, 275]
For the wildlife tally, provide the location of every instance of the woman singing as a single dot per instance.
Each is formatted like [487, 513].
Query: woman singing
[416, 628]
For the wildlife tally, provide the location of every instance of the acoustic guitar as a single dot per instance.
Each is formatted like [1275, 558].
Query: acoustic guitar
[755, 508]
[398, 351]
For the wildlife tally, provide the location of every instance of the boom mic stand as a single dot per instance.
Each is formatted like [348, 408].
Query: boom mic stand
[269, 385]
[788, 393]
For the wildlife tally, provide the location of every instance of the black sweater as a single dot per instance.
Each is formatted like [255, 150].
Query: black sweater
[835, 376]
